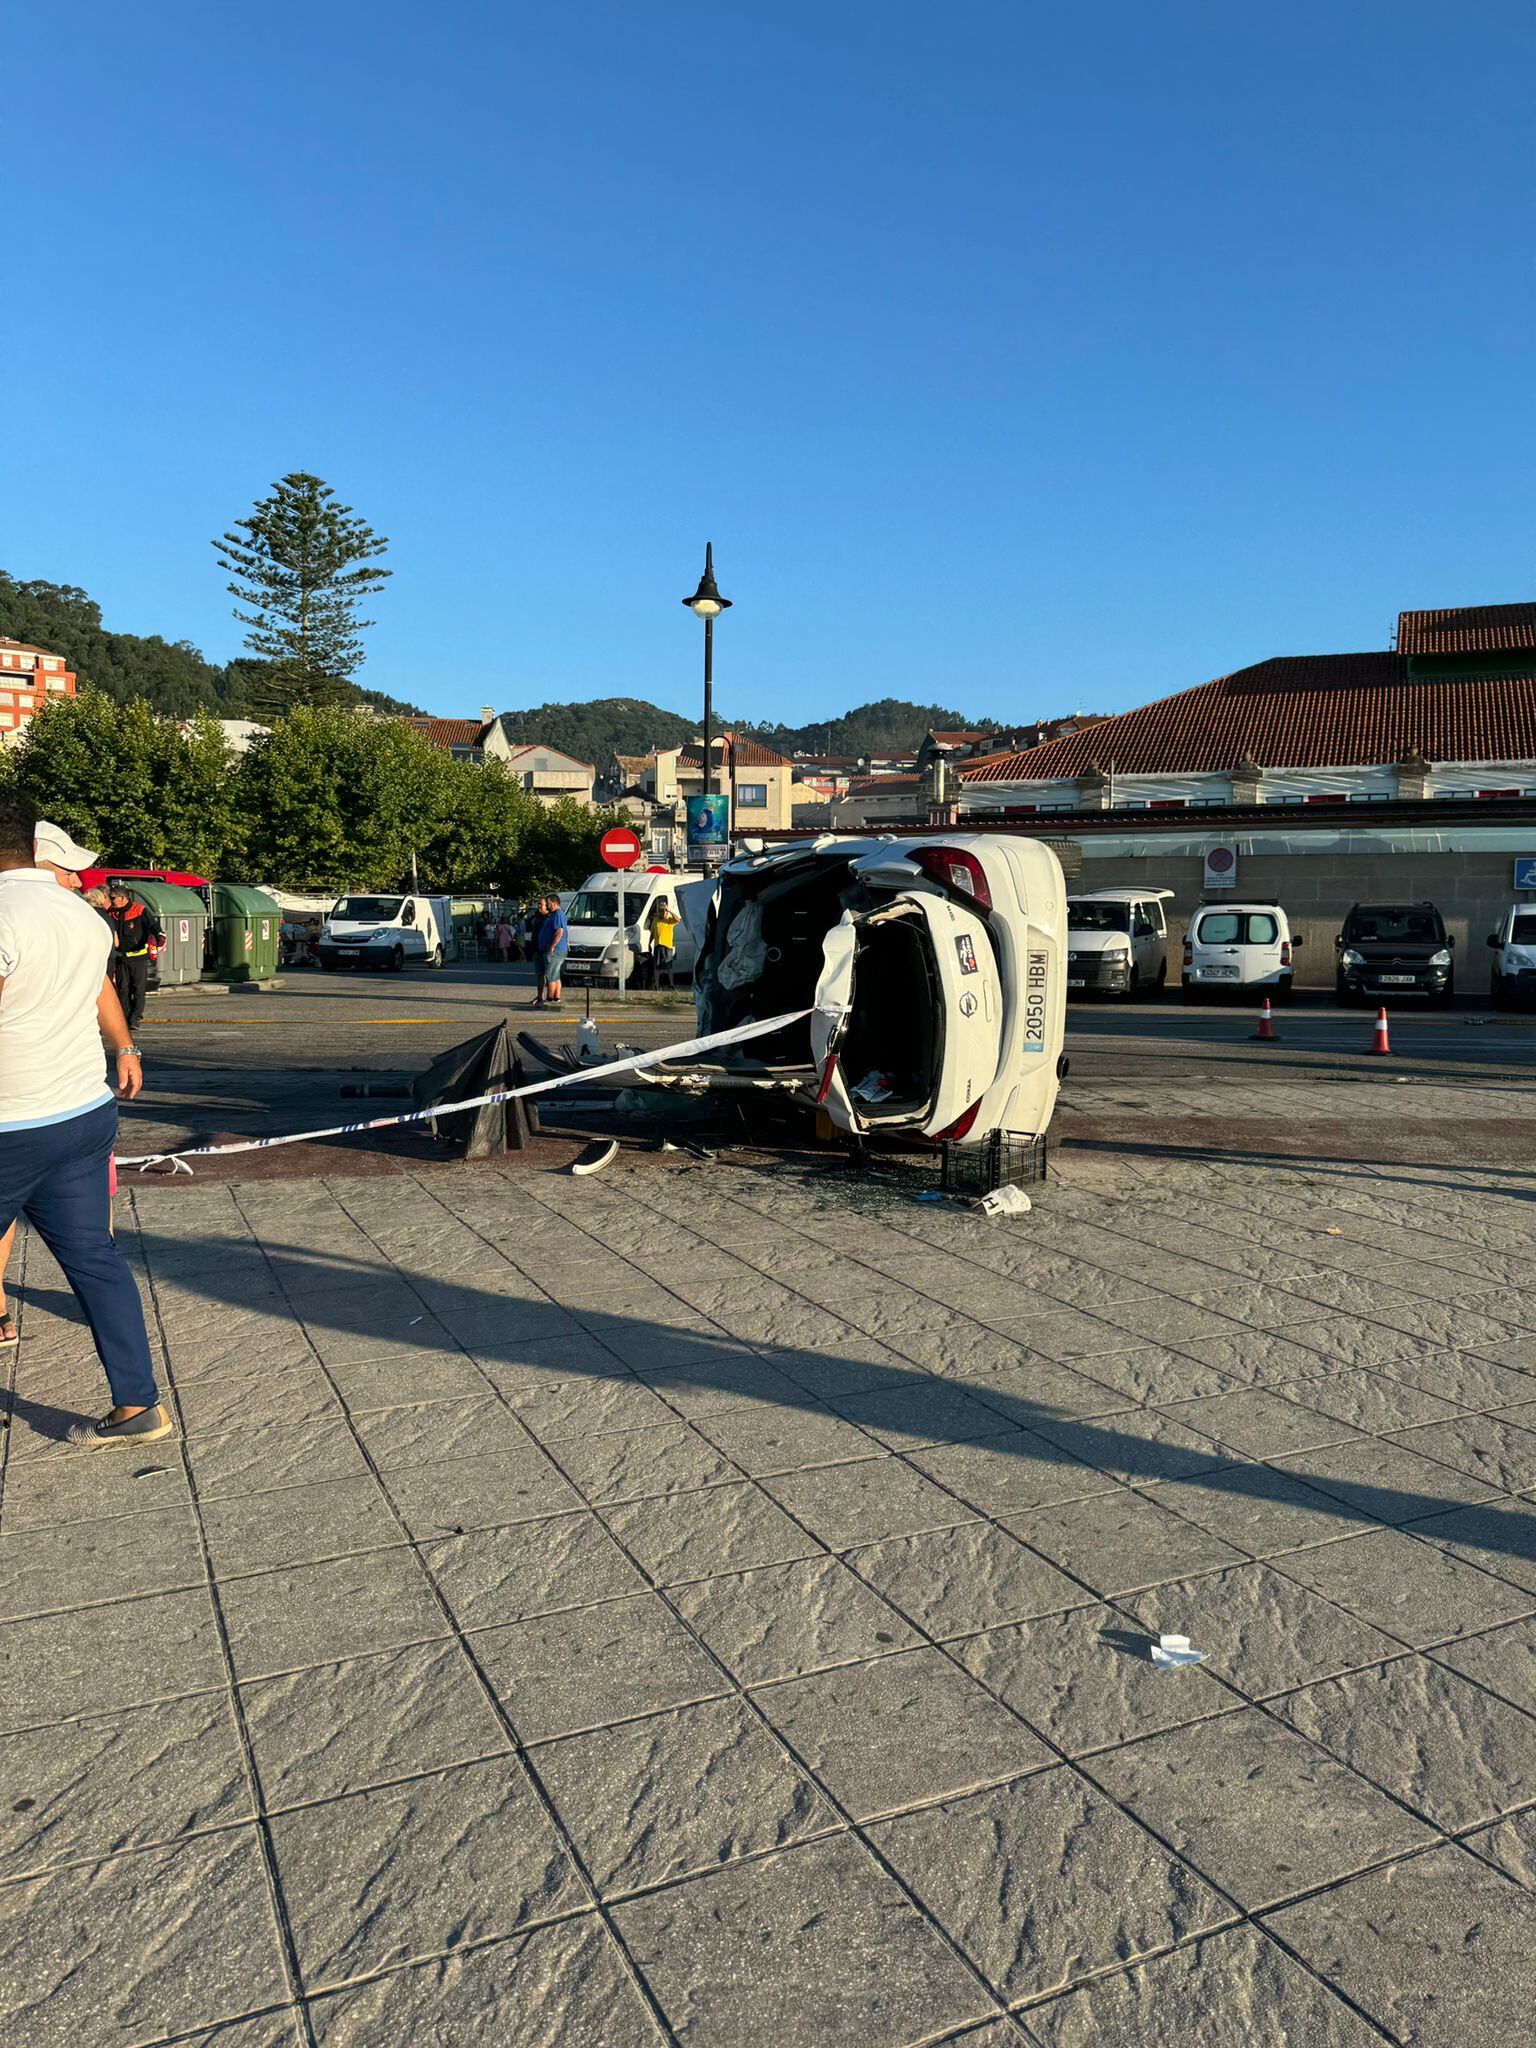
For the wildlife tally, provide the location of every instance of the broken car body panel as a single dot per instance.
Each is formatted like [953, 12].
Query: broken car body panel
[933, 966]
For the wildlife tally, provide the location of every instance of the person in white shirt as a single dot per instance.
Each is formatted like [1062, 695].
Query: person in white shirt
[58, 1116]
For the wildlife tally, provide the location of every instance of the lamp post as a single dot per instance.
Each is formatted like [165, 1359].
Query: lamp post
[707, 604]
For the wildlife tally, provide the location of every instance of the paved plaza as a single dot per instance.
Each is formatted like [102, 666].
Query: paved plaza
[711, 1604]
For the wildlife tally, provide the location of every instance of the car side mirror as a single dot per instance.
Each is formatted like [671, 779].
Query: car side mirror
[1450, 940]
[1493, 938]
[1338, 939]
[1296, 941]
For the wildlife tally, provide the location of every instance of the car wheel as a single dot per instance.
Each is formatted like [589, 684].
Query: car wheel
[1447, 996]
[1133, 987]
[397, 960]
[1496, 989]
[329, 966]
[437, 956]
[1162, 974]
[1283, 989]
[1343, 996]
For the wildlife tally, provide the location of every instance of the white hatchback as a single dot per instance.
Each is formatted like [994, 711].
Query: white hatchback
[1239, 946]
[930, 968]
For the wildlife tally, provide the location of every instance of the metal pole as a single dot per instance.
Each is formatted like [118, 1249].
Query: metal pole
[623, 939]
[709, 705]
[730, 816]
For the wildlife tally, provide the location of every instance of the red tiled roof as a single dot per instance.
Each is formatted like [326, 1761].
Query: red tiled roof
[883, 785]
[1468, 629]
[26, 647]
[748, 754]
[449, 732]
[1298, 711]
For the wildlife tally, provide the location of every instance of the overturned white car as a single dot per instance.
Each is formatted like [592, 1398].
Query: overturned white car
[933, 969]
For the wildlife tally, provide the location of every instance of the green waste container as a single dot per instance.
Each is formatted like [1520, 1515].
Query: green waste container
[183, 918]
[245, 923]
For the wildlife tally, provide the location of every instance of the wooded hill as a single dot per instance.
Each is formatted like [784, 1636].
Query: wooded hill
[171, 676]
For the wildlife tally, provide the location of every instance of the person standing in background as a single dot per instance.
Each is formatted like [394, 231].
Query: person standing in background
[137, 929]
[58, 1119]
[551, 943]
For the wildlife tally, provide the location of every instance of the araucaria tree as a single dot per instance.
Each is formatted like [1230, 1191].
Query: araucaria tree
[299, 568]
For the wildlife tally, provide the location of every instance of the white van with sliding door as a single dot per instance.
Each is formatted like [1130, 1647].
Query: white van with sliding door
[1239, 946]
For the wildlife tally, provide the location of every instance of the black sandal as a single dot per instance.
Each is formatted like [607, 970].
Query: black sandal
[8, 1332]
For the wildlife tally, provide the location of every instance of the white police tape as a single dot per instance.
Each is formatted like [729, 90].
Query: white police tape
[635, 1062]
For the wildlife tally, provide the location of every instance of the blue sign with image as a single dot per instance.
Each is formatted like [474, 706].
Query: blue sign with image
[709, 836]
[1525, 871]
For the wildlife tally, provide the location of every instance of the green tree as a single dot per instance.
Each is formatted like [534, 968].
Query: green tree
[559, 848]
[335, 799]
[139, 787]
[299, 564]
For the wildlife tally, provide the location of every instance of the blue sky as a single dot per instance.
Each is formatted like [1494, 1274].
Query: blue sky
[1014, 357]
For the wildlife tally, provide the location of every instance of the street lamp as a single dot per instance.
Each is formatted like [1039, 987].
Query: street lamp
[707, 604]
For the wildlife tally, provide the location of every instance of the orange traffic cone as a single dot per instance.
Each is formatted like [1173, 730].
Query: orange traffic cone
[1379, 1037]
[1265, 1035]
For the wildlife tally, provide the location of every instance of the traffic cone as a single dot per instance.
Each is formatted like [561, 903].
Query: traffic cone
[1379, 1037]
[1265, 1035]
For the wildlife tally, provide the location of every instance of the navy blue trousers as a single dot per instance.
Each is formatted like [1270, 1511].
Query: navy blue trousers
[57, 1177]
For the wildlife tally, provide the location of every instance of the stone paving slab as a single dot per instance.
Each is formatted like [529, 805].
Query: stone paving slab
[713, 1607]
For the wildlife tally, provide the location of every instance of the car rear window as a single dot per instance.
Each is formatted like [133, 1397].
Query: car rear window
[1392, 924]
[1237, 928]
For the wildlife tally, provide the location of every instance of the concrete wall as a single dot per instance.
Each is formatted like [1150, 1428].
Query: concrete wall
[1470, 890]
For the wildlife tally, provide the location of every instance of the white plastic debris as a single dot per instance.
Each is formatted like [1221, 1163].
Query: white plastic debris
[1171, 1653]
[1006, 1201]
[586, 1039]
[596, 1156]
[873, 1088]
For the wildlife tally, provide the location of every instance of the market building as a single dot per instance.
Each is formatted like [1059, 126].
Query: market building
[1404, 775]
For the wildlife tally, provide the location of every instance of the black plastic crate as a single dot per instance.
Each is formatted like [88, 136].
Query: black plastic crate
[1002, 1159]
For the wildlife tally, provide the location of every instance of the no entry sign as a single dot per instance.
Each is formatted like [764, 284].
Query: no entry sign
[619, 848]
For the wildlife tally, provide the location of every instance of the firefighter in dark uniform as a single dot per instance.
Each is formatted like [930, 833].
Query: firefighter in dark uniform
[136, 928]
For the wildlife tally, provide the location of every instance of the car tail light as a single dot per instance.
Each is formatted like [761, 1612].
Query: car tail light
[960, 1126]
[1285, 952]
[1189, 954]
[954, 870]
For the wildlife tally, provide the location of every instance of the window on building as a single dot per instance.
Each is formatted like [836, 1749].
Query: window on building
[1284, 800]
[1206, 803]
[55, 682]
[1325, 796]
[1168, 803]
[1370, 796]
[1498, 792]
[752, 796]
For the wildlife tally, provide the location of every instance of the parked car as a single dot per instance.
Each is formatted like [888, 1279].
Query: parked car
[931, 967]
[1117, 940]
[1394, 949]
[1239, 946]
[387, 931]
[1513, 975]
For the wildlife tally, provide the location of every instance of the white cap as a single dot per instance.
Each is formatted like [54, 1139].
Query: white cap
[51, 843]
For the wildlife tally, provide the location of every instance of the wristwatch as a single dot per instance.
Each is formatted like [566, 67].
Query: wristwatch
[118, 1051]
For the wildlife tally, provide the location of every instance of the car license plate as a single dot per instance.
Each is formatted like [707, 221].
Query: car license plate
[1221, 973]
[1397, 980]
[1079, 983]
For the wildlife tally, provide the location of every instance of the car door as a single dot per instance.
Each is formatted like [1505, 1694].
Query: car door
[1259, 946]
[1216, 946]
[960, 1040]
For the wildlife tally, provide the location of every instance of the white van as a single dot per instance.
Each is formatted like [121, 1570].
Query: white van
[387, 931]
[1513, 973]
[592, 926]
[1239, 945]
[1116, 940]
